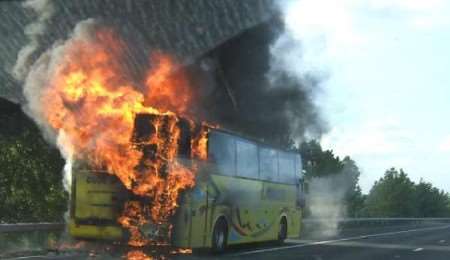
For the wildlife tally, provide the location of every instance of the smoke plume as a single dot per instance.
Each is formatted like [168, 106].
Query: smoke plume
[243, 84]
[302, 51]
[326, 203]
[260, 96]
[246, 83]
[37, 81]
[43, 10]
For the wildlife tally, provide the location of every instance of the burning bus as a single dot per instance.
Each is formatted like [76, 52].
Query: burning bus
[245, 191]
[143, 169]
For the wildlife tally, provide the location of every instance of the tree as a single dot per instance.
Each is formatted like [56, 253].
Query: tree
[395, 195]
[319, 163]
[354, 197]
[30, 172]
[333, 178]
[430, 201]
[392, 196]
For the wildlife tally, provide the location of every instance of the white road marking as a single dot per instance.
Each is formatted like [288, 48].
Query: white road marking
[43, 257]
[390, 246]
[418, 249]
[29, 257]
[441, 241]
[355, 243]
[305, 243]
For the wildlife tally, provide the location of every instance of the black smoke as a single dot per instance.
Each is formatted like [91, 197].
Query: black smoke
[253, 99]
[224, 45]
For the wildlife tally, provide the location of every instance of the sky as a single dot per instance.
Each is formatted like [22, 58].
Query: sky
[386, 93]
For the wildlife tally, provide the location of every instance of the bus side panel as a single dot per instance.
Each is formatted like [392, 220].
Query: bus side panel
[294, 215]
[294, 225]
[249, 217]
[252, 209]
[182, 228]
[279, 200]
[190, 229]
[198, 215]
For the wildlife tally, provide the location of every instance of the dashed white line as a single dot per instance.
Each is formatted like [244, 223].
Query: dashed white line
[303, 243]
[29, 257]
[418, 249]
[40, 257]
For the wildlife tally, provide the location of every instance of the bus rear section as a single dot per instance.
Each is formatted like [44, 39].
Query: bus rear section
[98, 197]
[95, 205]
[97, 202]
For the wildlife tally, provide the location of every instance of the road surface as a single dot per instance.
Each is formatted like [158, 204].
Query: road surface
[416, 243]
[424, 241]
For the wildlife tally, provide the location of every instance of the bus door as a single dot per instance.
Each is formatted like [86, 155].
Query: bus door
[198, 214]
[301, 193]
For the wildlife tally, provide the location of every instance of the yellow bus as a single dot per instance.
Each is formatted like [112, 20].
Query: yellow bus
[245, 192]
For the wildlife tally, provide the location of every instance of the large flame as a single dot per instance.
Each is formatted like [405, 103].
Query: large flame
[92, 101]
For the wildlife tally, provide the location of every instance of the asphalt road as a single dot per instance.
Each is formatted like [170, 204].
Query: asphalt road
[431, 241]
[424, 241]
[404, 243]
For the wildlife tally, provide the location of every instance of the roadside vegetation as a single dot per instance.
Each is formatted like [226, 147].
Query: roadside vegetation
[393, 195]
[31, 188]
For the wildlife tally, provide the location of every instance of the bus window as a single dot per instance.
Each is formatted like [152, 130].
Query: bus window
[298, 165]
[268, 164]
[287, 167]
[222, 151]
[247, 159]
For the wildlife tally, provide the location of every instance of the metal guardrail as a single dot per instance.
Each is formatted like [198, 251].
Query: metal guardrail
[347, 220]
[350, 223]
[24, 227]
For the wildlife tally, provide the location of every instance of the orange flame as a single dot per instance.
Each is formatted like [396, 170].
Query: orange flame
[184, 251]
[199, 144]
[164, 89]
[133, 218]
[138, 255]
[93, 101]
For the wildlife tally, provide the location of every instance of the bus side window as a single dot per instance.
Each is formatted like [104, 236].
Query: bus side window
[298, 165]
[286, 162]
[268, 164]
[247, 159]
[222, 151]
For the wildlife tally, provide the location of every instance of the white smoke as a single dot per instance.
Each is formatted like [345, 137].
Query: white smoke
[44, 11]
[67, 150]
[326, 203]
[37, 76]
[36, 82]
[315, 30]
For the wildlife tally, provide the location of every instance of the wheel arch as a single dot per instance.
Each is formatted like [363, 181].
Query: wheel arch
[223, 220]
[285, 216]
[216, 220]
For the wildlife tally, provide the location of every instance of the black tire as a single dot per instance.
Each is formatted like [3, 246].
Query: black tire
[282, 231]
[219, 236]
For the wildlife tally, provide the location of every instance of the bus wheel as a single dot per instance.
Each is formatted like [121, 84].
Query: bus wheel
[219, 238]
[282, 233]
